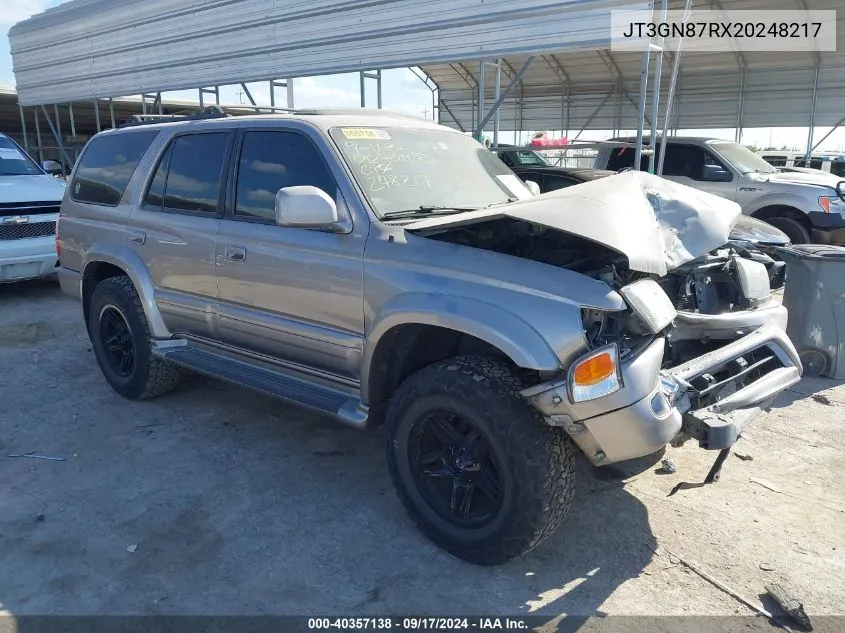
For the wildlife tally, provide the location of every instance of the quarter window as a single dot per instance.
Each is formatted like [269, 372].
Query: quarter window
[106, 166]
[272, 160]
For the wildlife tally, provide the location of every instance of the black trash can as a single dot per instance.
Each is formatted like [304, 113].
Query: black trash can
[815, 297]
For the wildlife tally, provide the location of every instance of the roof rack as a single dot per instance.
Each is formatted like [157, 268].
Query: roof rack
[210, 112]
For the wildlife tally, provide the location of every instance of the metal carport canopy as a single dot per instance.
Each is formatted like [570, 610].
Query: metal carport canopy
[88, 49]
[598, 89]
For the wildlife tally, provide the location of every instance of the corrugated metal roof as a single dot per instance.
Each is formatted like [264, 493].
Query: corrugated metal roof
[100, 48]
[777, 92]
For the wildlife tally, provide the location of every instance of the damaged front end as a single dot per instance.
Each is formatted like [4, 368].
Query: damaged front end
[701, 348]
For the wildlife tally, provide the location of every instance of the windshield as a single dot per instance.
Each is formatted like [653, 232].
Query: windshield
[743, 158]
[419, 171]
[14, 161]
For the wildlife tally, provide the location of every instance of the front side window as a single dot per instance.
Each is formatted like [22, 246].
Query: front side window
[270, 161]
[418, 171]
[188, 175]
[107, 165]
[14, 161]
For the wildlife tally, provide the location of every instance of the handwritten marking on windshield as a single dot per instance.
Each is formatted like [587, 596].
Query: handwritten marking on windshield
[377, 162]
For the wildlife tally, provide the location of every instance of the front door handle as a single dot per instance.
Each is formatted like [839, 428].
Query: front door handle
[236, 253]
[137, 237]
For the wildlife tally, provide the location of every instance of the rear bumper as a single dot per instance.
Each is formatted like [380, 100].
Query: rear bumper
[27, 258]
[711, 398]
[70, 282]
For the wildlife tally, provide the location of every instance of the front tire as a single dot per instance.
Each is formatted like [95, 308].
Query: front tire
[120, 338]
[795, 231]
[475, 466]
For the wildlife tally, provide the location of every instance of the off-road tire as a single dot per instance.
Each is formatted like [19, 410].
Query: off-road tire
[536, 459]
[795, 231]
[151, 376]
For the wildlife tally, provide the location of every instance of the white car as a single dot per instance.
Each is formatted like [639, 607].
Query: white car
[29, 208]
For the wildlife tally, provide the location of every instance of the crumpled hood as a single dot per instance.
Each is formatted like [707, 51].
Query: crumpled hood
[656, 223]
[34, 188]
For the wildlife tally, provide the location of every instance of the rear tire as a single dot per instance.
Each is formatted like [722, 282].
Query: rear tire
[120, 338]
[795, 231]
[509, 474]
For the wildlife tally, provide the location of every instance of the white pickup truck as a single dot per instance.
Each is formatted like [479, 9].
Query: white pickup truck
[806, 204]
[29, 207]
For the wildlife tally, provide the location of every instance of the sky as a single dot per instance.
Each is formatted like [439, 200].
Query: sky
[401, 91]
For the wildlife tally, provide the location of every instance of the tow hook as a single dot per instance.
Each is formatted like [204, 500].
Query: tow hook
[712, 476]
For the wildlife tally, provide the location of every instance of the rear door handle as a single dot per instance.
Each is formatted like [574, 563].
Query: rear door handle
[236, 253]
[137, 237]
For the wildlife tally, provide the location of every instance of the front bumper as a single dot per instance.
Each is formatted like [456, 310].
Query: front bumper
[27, 258]
[711, 398]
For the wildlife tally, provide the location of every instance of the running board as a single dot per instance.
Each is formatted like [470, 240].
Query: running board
[299, 390]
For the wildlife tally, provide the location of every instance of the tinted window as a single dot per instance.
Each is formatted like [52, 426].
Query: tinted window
[837, 168]
[272, 160]
[106, 166]
[688, 161]
[193, 172]
[155, 193]
[623, 158]
[777, 161]
[553, 183]
[515, 158]
[814, 163]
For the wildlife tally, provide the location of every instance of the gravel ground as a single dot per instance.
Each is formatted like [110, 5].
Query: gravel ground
[215, 500]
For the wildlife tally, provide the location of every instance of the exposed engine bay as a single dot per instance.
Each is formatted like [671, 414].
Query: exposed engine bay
[733, 278]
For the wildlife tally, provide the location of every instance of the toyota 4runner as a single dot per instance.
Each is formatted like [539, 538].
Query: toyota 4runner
[382, 268]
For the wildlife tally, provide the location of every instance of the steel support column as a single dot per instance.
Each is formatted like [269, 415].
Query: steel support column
[72, 122]
[111, 113]
[740, 108]
[479, 128]
[370, 75]
[638, 153]
[812, 117]
[249, 96]
[655, 101]
[38, 135]
[23, 129]
[497, 103]
[96, 105]
[58, 136]
[673, 82]
[501, 96]
[832, 130]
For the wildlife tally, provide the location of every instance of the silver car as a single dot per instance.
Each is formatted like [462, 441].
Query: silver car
[806, 204]
[386, 270]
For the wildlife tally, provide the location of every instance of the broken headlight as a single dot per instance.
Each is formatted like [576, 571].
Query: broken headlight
[650, 303]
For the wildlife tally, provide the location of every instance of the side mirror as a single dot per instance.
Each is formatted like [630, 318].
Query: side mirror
[840, 189]
[715, 173]
[305, 207]
[533, 187]
[52, 167]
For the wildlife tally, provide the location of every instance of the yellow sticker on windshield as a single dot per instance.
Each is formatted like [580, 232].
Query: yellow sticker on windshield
[365, 133]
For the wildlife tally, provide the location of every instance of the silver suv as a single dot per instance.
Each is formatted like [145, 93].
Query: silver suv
[806, 204]
[382, 268]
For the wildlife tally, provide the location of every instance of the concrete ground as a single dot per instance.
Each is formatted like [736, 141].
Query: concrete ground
[215, 500]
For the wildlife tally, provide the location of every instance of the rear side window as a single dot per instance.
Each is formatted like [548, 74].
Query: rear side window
[623, 158]
[106, 166]
[188, 175]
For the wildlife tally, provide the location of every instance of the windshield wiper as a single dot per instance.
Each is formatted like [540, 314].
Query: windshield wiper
[426, 209]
